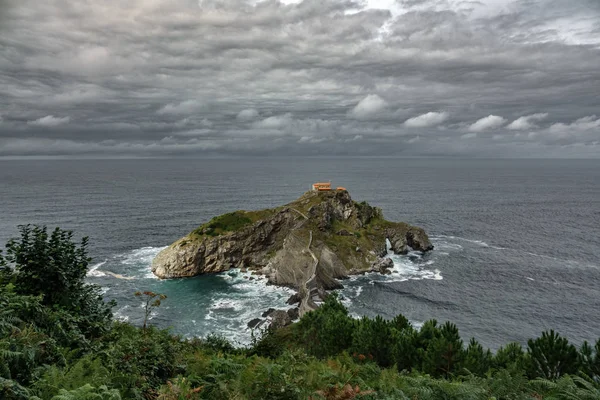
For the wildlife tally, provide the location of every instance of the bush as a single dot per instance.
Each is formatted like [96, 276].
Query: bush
[141, 360]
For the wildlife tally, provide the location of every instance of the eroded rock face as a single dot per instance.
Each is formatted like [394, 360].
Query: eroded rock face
[246, 248]
[279, 319]
[383, 265]
[407, 237]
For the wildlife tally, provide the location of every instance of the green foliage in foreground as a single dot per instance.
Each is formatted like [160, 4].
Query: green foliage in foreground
[58, 342]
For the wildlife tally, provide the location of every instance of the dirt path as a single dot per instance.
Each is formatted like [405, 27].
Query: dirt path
[307, 304]
[299, 212]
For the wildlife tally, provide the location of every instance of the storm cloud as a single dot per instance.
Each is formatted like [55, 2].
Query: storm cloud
[395, 77]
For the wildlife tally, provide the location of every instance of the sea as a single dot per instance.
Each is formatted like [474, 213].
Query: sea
[517, 242]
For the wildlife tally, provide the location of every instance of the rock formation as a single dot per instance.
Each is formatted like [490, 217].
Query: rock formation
[307, 244]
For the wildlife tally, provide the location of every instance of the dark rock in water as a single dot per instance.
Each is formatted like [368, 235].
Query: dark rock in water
[279, 319]
[268, 312]
[415, 238]
[295, 298]
[294, 313]
[418, 240]
[254, 323]
[383, 265]
[243, 269]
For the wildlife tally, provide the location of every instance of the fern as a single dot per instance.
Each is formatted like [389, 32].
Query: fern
[88, 392]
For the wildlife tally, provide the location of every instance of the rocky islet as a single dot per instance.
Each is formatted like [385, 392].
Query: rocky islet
[308, 245]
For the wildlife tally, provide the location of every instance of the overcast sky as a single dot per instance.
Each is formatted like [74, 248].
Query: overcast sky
[486, 78]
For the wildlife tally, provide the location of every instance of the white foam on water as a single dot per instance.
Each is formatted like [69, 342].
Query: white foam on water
[406, 268]
[474, 241]
[120, 314]
[93, 271]
[138, 262]
[359, 290]
[228, 305]
[209, 315]
[230, 311]
[143, 255]
[447, 246]
[417, 324]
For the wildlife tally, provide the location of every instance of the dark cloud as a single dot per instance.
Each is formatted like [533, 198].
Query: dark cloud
[429, 77]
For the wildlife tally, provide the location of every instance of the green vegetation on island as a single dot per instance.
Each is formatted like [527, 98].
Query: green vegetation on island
[58, 341]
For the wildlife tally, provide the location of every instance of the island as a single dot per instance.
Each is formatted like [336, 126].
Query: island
[307, 244]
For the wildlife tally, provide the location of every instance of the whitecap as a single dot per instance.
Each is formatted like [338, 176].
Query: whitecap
[359, 290]
[474, 241]
[139, 261]
[93, 271]
[120, 314]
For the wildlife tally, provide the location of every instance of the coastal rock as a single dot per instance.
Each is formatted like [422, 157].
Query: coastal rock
[294, 299]
[383, 265]
[255, 323]
[279, 319]
[268, 312]
[417, 239]
[293, 313]
[404, 237]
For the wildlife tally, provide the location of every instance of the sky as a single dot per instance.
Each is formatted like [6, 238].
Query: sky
[151, 78]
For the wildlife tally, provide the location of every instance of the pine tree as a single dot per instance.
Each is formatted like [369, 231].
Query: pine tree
[551, 356]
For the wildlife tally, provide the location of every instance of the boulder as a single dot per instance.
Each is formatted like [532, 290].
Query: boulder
[383, 265]
[268, 312]
[279, 319]
[417, 239]
[293, 313]
[255, 323]
[403, 236]
[294, 299]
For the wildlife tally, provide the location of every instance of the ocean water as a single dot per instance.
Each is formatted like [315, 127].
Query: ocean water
[517, 242]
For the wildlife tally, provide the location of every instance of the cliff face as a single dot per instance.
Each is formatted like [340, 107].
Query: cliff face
[306, 244]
